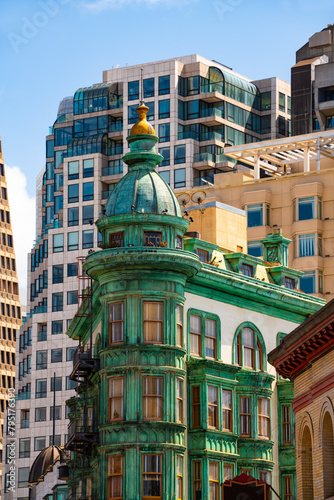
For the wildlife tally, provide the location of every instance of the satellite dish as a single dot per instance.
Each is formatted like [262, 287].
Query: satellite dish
[183, 199]
[198, 197]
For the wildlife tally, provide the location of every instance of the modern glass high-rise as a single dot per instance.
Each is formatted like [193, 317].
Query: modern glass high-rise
[196, 107]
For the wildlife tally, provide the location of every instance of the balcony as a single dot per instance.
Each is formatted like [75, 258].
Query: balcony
[213, 116]
[84, 363]
[82, 435]
[213, 92]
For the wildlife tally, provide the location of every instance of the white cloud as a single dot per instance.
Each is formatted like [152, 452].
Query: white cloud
[100, 5]
[23, 216]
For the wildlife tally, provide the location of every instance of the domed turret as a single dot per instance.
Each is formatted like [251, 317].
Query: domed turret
[142, 190]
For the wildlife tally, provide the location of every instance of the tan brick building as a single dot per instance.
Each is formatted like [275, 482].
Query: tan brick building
[306, 356]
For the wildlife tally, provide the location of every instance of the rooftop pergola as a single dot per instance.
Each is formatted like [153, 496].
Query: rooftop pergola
[274, 156]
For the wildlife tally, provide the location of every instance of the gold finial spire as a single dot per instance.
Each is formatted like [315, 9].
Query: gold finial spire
[142, 126]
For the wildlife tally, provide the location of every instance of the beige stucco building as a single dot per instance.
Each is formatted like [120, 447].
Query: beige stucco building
[284, 184]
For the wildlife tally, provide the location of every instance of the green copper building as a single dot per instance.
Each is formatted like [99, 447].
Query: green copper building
[174, 392]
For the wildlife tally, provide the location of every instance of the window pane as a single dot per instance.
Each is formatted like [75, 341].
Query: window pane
[306, 245]
[116, 323]
[255, 215]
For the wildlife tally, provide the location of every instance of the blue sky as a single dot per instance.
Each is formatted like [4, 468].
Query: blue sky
[49, 48]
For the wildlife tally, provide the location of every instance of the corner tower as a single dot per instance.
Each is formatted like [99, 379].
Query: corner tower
[141, 273]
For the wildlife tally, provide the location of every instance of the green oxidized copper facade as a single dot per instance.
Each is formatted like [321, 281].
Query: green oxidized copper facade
[143, 262]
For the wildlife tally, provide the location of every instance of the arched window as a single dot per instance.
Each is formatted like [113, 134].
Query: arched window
[249, 349]
[307, 467]
[328, 456]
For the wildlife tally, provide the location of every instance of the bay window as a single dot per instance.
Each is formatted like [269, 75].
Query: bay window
[264, 418]
[116, 323]
[153, 322]
[115, 477]
[245, 416]
[116, 398]
[152, 398]
[152, 476]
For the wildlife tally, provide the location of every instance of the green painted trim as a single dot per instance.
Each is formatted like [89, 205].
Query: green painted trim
[258, 336]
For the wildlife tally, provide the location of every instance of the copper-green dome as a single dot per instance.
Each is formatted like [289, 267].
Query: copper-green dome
[142, 190]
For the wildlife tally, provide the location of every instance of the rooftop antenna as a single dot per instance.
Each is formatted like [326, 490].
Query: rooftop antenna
[142, 86]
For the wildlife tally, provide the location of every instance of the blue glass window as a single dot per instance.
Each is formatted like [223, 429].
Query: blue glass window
[88, 214]
[72, 269]
[59, 181]
[165, 152]
[58, 204]
[150, 113]
[148, 87]
[133, 90]
[58, 273]
[58, 243]
[72, 297]
[179, 154]
[73, 241]
[57, 301]
[88, 167]
[73, 193]
[256, 215]
[255, 248]
[88, 238]
[164, 85]
[164, 132]
[307, 245]
[50, 148]
[63, 135]
[49, 215]
[59, 157]
[164, 108]
[281, 101]
[308, 208]
[49, 170]
[179, 177]
[49, 192]
[88, 191]
[57, 327]
[56, 384]
[73, 216]
[73, 170]
[115, 167]
[307, 283]
[132, 114]
[165, 175]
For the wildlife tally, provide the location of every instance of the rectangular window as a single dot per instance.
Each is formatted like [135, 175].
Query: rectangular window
[227, 410]
[39, 443]
[179, 154]
[41, 360]
[197, 480]
[133, 90]
[57, 327]
[153, 322]
[88, 167]
[56, 384]
[306, 245]
[165, 152]
[57, 301]
[73, 193]
[179, 326]
[255, 215]
[73, 170]
[88, 238]
[307, 283]
[281, 101]
[210, 339]
[73, 241]
[152, 398]
[213, 407]
[72, 269]
[164, 85]
[115, 477]
[152, 238]
[152, 476]
[58, 273]
[202, 254]
[308, 208]
[88, 214]
[286, 414]
[58, 243]
[40, 414]
[116, 323]
[73, 216]
[117, 240]
[247, 270]
[195, 336]
[41, 388]
[196, 406]
[179, 403]
[116, 398]
[179, 478]
[264, 418]
[287, 482]
[214, 480]
[228, 472]
[164, 133]
[245, 416]
[57, 413]
[265, 101]
[70, 384]
[70, 353]
[56, 355]
[164, 109]
[23, 476]
[88, 191]
[24, 448]
[148, 87]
